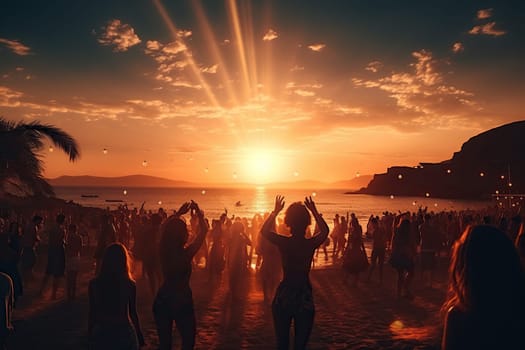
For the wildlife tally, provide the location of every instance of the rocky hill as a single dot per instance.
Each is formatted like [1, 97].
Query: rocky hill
[479, 169]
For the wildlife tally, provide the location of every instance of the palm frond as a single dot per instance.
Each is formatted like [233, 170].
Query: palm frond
[35, 130]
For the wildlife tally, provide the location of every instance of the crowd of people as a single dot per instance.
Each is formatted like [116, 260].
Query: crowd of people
[486, 250]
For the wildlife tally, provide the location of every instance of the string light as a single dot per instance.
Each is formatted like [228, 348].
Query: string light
[399, 176]
[125, 192]
[144, 163]
[203, 192]
[105, 151]
[51, 149]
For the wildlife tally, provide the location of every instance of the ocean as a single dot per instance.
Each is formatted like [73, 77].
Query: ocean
[248, 202]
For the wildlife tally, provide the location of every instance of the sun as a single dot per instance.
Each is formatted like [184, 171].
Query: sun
[260, 165]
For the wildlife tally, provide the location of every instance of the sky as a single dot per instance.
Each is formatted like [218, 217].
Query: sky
[260, 91]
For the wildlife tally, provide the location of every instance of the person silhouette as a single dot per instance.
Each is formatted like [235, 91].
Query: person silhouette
[174, 300]
[485, 308]
[293, 299]
[113, 322]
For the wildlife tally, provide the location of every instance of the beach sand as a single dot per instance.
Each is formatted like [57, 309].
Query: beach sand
[365, 317]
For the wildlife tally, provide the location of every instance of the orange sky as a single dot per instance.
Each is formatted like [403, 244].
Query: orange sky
[250, 92]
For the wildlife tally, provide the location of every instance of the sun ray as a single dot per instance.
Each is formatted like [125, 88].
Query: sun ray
[191, 62]
[204, 23]
[236, 26]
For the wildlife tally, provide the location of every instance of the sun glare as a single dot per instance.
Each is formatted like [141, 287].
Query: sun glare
[260, 165]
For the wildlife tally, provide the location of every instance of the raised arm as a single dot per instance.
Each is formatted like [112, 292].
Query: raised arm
[319, 237]
[268, 228]
[194, 246]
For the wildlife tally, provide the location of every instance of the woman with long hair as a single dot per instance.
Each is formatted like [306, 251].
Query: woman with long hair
[113, 322]
[485, 307]
[293, 299]
[174, 300]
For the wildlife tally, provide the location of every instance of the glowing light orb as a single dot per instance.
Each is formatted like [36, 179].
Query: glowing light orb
[502, 177]
[203, 192]
[105, 151]
[435, 204]
[497, 192]
[51, 149]
[449, 171]
[391, 196]
[144, 163]
[427, 194]
[510, 184]
[125, 192]
[159, 202]
[314, 194]
[482, 174]
[399, 176]
[397, 325]
[414, 203]
[357, 174]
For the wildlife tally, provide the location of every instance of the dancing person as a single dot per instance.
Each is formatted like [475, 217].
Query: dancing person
[237, 258]
[107, 235]
[150, 257]
[9, 263]
[485, 308]
[430, 246]
[113, 322]
[73, 251]
[293, 299]
[174, 300]
[402, 258]
[355, 260]
[30, 240]
[56, 255]
[217, 260]
[379, 237]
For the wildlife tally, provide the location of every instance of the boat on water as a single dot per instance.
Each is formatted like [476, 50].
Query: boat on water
[89, 195]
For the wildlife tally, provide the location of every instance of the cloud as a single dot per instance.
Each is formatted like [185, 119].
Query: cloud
[484, 14]
[317, 47]
[120, 35]
[423, 90]
[458, 47]
[152, 45]
[374, 66]
[304, 93]
[270, 35]
[16, 47]
[487, 29]
[184, 33]
[174, 48]
[211, 69]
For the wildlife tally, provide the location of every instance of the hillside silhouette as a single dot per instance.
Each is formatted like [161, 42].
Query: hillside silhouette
[491, 161]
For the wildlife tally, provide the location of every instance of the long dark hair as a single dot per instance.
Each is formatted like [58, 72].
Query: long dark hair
[485, 273]
[114, 275]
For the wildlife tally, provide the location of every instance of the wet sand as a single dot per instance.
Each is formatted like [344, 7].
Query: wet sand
[365, 317]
